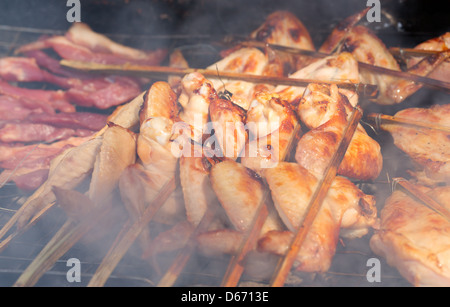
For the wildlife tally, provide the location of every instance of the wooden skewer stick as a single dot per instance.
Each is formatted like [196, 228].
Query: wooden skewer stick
[411, 52]
[380, 119]
[422, 197]
[366, 90]
[128, 235]
[70, 233]
[235, 267]
[378, 69]
[285, 264]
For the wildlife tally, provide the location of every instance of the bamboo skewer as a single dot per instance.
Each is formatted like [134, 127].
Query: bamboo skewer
[235, 268]
[285, 264]
[422, 197]
[128, 235]
[380, 119]
[366, 90]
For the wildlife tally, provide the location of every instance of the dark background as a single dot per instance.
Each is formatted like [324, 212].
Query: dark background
[414, 20]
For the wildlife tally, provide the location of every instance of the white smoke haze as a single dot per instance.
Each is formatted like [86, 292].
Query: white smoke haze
[212, 19]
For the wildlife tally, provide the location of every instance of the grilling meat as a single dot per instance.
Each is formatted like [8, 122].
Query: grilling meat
[154, 148]
[56, 100]
[428, 148]
[415, 239]
[340, 67]
[326, 112]
[367, 48]
[196, 95]
[441, 43]
[117, 152]
[285, 29]
[240, 192]
[346, 207]
[228, 121]
[273, 127]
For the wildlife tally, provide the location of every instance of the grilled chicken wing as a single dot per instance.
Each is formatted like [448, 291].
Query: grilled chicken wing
[367, 48]
[228, 122]
[428, 148]
[195, 98]
[240, 192]
[341, 67]
[117, 152]
[345, 206]
[415, 239]
[325, 111]
[243, 60]
[273, 126]
[285, 29]
[441, 43]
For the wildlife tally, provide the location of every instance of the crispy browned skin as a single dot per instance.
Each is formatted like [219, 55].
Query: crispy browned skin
[243, 60]
[292, 187]
[285, 29]
[240, 192]
[415, 239]
[366, 47]
[117, 152]
[157, 164]
[197, 190]
[429, 148]
[325, 111]
[441, 43]
[159, 100]
[273, 127]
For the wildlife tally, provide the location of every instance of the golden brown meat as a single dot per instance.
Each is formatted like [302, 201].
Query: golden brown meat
[441, 43]
[341, 67]
[415, 239]
[273, 126]
[197, 190]
[117, 152]
[196, 94]
[345, 206]
[367, 48]
[244, 60]
[326, 112]
[428, 148]
[285, 29]
[240, 191]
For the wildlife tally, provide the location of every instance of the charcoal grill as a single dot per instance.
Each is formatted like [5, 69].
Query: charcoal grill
[188, 25]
